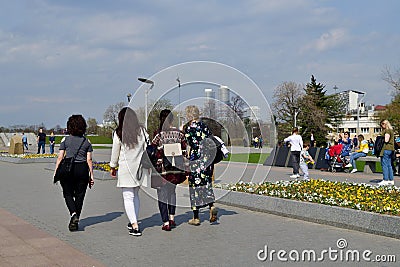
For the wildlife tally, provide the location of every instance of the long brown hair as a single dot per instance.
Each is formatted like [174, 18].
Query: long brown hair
[128, 128]
[166, 119]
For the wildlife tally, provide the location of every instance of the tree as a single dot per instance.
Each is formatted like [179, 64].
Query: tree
[392, 114]
[319, 110]
[92, 126]
[153, 120]
[392, 78]
[111, 115]
[286, 100]
[238, 105]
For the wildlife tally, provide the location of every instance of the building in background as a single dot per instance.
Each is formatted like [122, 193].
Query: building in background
[209, 103]
[358, 116]
[253, 113]
[224, 101]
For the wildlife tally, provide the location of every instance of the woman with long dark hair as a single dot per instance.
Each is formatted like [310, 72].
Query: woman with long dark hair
[129, 142]
[74, 187]
[167, 134]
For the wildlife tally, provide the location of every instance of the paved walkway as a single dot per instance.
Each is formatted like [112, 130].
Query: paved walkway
[34, 219]
[22, 244]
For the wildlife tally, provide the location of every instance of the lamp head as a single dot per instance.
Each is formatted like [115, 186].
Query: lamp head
[144, 80]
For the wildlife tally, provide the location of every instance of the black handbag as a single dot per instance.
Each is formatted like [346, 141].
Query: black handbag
[378, 145]
[148, 159]
[65, 167]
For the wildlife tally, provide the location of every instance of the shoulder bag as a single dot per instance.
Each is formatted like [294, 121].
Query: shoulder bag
[65, 167]
[148, 159]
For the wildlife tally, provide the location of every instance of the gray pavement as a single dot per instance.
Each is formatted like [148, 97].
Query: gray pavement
[26, 191]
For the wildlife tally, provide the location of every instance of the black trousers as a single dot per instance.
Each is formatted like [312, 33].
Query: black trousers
[295, 156]
[74, 187]
[166, 201]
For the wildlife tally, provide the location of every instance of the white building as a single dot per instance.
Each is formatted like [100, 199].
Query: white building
[253, 113]
[359, 119]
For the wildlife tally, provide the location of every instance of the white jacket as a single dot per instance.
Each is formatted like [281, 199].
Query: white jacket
[296, 142]
[127, 160]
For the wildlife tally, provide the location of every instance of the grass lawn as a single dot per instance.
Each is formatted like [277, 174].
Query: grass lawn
[248, 158]
[360, 166]
[93, 139]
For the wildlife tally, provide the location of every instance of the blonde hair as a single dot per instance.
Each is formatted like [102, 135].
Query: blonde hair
[192, 113]
[387, 124]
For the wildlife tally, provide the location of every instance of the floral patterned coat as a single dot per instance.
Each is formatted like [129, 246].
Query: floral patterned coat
[201, 168]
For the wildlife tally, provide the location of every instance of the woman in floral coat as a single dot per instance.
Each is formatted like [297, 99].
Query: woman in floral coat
[201, 167]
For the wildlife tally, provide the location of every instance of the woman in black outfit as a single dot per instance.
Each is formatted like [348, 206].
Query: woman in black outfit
[74, 187]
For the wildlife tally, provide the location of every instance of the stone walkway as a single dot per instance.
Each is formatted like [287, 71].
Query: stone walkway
[34, 219]
[22, 244]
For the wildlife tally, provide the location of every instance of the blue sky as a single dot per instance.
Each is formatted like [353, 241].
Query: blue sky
[59, 58]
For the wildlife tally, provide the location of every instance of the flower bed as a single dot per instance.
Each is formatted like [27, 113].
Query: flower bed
[29, 156]
[102, 166]
[364, 197]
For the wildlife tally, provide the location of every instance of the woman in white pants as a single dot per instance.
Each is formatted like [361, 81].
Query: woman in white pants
[129, 142]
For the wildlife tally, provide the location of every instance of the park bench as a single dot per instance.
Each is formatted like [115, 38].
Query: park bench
[370, 163]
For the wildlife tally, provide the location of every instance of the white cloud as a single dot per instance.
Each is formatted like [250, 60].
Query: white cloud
[329, 40]
[53, 99]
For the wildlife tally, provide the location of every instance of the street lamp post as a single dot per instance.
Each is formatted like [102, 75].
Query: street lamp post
[296, 112]
[358, 111]
[146, 93]
[179, 102]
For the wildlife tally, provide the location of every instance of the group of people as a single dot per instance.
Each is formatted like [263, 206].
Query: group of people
[41, 142]
[258, 141]
[130, 141]
[299, 154]
[349, 151]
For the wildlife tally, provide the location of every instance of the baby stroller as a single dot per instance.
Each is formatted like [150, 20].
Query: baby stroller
[336, 160]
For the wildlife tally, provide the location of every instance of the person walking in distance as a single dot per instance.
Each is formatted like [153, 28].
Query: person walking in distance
[129, 143]
[52, 142]
[296, 145]
[312, 138]
[25, 141]
[41, 141]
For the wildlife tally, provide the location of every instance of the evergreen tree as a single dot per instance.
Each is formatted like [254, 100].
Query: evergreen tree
[319, 110]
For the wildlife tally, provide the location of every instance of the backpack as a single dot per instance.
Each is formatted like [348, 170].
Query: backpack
[379, 142]
[217, 149]
[173, 159]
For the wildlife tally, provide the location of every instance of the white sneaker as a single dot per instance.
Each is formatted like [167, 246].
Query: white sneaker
[383, 182]
[348, 165]
[294, 176]
[353, 170]
[390, 182]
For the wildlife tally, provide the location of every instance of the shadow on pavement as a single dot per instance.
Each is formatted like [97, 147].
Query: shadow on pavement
[98, 219]
[155, 219]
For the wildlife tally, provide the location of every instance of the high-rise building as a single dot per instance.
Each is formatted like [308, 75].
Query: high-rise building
[224, 101]
[209, 103]
[351, 98]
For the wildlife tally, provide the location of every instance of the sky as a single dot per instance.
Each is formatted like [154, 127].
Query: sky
[59, 58]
